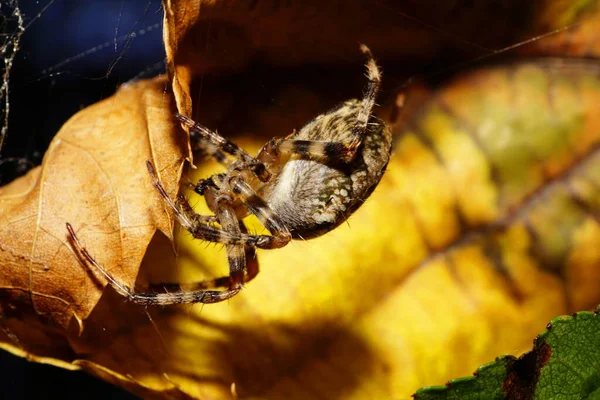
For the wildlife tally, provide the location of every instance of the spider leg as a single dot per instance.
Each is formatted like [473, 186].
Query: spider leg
[226, 146]
[252, 268]
[218, 140]
[261, 209]
[199, 228]
[188, 210]
[181, 206]
[368, 101]
[180, 295]
[207, 149]
[330, 151]
[235, 252]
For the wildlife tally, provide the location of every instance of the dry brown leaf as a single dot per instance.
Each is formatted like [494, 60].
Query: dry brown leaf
[93, 176]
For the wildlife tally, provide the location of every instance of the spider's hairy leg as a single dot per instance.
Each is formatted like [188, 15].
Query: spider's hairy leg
[368, 100]
[206, 149]
[263, 212]
[226, 146]
[328, 152]
[143, 299]
[251, 272]
[181, 208]
[252, 266]
[215, 138]
[236, 257]
[187, 209]
[202, 231]
[179, 296]
[199, 225]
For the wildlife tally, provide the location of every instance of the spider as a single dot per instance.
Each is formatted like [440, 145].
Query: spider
[301, 186]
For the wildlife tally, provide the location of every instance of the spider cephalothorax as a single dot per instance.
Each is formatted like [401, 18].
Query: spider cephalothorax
[301, 186]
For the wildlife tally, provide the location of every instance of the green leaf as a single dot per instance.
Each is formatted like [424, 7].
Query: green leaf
[564, 364]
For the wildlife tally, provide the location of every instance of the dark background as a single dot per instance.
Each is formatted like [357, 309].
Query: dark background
[74, 54]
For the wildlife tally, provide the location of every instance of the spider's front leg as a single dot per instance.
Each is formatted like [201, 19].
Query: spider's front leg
[178, 293]
[240, 254]
[217, 146]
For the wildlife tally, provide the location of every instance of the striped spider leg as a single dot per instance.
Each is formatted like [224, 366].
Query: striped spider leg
[178, 293]
[301, 186]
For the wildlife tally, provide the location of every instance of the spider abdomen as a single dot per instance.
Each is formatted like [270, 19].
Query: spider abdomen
[310, 197]
[313, 196]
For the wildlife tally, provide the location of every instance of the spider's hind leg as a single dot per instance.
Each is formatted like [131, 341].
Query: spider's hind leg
[368, 101]
[332, 151]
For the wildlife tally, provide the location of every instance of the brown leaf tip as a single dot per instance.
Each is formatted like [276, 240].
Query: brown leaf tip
[524, 372]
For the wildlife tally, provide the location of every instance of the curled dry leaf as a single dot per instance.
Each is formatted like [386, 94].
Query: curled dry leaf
[94, 177]
[480, 228]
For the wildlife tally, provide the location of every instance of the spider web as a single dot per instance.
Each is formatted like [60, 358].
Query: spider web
[11, 29]
[52, 70]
